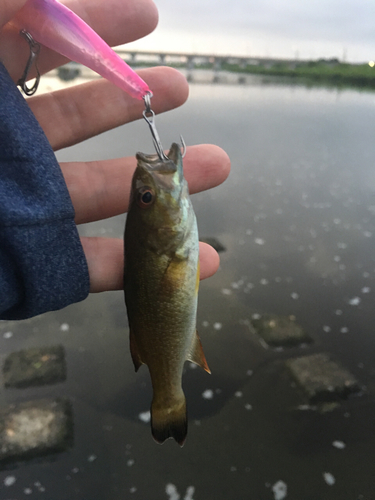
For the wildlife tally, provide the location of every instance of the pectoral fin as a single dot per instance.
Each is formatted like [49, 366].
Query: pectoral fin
[134, 352]
[196, 354]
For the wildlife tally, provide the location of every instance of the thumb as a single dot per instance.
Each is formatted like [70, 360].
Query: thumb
[8, 9]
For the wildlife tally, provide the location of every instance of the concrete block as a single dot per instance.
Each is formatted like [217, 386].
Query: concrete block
[35, 366]
[35, 428]
[280, 331]
[322, 379]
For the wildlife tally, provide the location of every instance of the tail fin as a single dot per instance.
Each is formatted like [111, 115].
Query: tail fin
[169, 422]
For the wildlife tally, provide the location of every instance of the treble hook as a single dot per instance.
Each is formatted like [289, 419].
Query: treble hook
[33, 58]
[149, 116]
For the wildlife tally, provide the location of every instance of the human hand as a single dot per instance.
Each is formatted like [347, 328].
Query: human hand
[101, 189]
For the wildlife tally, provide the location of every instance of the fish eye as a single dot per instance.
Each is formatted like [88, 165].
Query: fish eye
[145, 197]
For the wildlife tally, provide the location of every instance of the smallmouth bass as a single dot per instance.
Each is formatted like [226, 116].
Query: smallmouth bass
[161, 280]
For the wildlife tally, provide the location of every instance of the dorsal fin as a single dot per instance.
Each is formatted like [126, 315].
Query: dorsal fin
[196, 354]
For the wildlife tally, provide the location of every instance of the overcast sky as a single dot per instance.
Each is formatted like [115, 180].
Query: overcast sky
[307, 29]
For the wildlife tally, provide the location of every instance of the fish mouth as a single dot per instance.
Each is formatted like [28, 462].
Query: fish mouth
[155, 163]
[175, 154]
[164, 170]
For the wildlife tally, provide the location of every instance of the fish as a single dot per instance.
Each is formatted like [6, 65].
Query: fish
[161, 281]
[55, 26]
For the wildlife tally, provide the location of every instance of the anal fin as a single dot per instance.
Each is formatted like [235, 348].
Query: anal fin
[196, 354]
[134, 352]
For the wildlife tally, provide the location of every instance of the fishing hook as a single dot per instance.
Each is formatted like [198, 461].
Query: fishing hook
[33, 58]
[149, 116]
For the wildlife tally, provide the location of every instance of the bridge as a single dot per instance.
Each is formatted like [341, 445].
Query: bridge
[188, 60]
[191, 60]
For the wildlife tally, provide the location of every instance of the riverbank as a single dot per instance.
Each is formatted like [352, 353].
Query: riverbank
[331, 72]
[310, 73]
[358, 75]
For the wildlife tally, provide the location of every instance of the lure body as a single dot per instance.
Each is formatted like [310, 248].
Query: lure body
[161, 282]
[54, 25]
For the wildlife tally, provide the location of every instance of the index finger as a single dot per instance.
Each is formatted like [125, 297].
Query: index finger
[101, 189]
[8, 9]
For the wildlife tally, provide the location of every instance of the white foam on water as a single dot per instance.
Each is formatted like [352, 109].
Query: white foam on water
[208, 394]
[280, 490]
[189, 493]
[340, 445]
[329, 478]
[145, 416]
[259, 241]
[171, 491]
[39, 486]
[9, 480]
[306, 407]
[355, 301]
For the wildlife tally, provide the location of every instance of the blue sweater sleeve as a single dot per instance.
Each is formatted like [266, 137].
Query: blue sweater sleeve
[42, 264]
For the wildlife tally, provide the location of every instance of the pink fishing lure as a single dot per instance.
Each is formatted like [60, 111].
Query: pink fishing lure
[54, 25]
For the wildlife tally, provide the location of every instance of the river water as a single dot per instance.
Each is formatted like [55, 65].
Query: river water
[297, 219]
